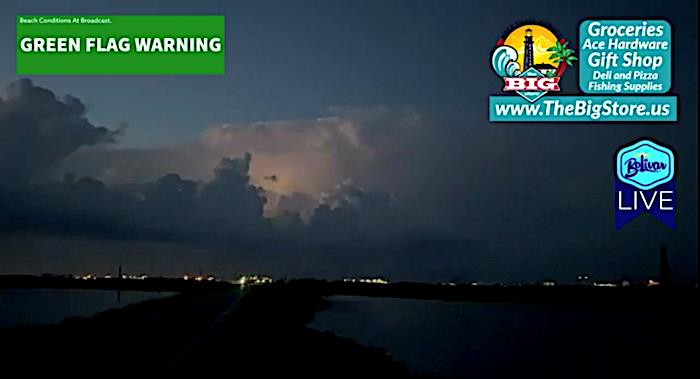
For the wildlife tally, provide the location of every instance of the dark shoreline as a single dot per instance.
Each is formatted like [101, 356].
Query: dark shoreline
[148, 284]
[587, 295]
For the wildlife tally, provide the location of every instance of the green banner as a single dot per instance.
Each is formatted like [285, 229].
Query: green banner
[120, 45]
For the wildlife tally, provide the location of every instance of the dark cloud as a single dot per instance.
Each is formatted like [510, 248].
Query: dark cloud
[231, 201]
[38, 130]
[298, 202]
[169, 208]
[352, 215]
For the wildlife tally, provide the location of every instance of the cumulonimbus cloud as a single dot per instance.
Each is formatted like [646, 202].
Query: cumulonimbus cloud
[38, 130]
[305, 157]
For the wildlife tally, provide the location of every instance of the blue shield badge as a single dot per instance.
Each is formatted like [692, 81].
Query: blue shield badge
[645, 182]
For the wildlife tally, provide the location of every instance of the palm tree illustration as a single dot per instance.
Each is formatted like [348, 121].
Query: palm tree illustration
[563, 55]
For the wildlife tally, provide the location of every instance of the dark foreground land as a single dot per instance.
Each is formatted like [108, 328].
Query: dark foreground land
[258, 332]
[217, 328]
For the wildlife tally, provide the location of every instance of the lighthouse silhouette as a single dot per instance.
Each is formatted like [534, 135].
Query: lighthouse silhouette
[528, 59]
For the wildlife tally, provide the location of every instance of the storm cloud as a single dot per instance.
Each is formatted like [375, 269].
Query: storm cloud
[38, 130]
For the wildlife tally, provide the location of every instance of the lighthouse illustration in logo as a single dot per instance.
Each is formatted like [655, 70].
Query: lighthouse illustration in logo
[528, 60]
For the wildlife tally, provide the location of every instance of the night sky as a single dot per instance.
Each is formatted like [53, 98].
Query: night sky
[346, 138]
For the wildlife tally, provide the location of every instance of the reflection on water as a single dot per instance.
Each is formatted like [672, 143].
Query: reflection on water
[458, 339]
[46, 306]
